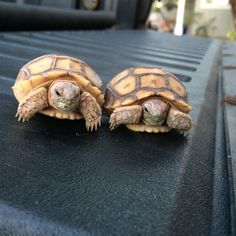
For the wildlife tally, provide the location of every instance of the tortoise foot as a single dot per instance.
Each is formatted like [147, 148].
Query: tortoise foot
[32, 103]
[179, 120]
[91, 111]
[93, 124]
[125, 115]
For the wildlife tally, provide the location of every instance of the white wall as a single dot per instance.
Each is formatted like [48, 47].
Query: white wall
[223, 22]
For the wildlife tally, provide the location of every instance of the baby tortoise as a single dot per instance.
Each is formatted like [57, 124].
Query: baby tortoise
[148, 100]
[59, 86]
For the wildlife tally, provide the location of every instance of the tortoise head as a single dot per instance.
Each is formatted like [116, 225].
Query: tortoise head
[64, 95]
[154, 111]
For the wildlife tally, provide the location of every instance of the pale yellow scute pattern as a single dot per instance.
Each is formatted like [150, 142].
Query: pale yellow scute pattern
[22, 75]
[140, 94]
[177, 86]
[61, 115]
[167, 94]
[128, 101]
[135, 84]
[62, 64]
[26, 86]
[119, 76]
[44, 70]
[18, 92]
[37, 80]
[100, 99]
[80, 80]
[125, 86]
[54, 74]
[152, 81]
[75, 66]
[39, 66]
[51, 67]
[181, 105]
[140, 71]
[116, 103]
[148, 128]
[93, 77]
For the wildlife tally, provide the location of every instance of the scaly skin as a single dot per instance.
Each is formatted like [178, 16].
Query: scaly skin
[153, 112]
[230, 99]
[125, 115]
[179, 120]
[34, 102]
[63, 96]
[90, 110]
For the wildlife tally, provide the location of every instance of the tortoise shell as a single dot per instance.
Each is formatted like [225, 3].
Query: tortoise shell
[135, 84]
[44, 70]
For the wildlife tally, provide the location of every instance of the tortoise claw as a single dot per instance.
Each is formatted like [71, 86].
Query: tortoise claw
[22, 116]
[113, 121]
[179, 121]
[92, 125]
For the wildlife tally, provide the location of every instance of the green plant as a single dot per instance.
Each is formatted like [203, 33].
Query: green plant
[203, 29]
[231, 35]
[190, 18]
[170, 4]
[167, 4]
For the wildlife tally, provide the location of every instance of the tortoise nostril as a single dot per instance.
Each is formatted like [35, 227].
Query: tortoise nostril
[57, 93]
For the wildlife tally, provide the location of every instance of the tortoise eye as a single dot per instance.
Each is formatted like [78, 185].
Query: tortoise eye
[145, 109]
[57, 93]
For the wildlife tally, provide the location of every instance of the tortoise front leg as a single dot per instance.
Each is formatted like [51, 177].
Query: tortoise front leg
[34, 102]
[91, 111]
[230, 99]
[125, 115]
[179, 120]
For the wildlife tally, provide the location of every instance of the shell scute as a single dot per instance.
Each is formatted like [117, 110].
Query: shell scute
[40, 66]
[148, 70]
[135, 84]
[92, 76]
[176, 86]
[125, 86]
[75, 66]
[152, 81]
[121, 75]
[44, 70]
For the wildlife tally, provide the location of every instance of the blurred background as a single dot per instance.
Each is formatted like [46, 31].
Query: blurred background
[206, 18]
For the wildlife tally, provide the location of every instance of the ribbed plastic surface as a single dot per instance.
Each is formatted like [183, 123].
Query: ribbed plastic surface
[119, 182]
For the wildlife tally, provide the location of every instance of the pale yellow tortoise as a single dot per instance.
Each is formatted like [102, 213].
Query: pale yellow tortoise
[148, 100]
[59, 86]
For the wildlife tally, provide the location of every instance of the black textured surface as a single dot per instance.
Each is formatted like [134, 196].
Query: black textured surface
[28, 17]
[120, 182]
[229, 85]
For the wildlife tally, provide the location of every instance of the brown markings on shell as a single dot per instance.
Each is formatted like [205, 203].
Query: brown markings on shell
[148, 70]
[45, 69]
[54, 62]
[60, 62]
[112, 99]
[120, 76]
[92, 76]
[176, 86]
[125, 86]
[152, 81]
[148, 83]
